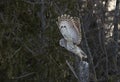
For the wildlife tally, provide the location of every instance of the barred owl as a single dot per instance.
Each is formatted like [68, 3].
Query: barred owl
[71, 31]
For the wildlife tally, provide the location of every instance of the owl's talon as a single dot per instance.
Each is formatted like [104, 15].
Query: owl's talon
[65, 15]
[68, 16]
[71, 17]
[62, 15]
[58, 18]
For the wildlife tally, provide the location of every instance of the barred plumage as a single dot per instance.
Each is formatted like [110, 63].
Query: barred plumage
[71, 31]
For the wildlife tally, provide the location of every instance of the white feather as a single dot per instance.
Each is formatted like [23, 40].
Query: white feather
[69, 33]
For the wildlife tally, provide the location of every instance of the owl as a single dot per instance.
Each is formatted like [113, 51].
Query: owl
[71, 32]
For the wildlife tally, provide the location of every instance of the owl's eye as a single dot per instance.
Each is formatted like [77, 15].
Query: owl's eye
[64, 26]
[61, 26]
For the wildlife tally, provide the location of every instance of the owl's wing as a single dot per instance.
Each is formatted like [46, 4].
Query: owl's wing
[76, 24]
[72, 26]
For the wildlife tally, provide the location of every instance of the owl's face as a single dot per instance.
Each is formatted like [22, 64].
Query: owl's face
[64, 27]
[69, 28]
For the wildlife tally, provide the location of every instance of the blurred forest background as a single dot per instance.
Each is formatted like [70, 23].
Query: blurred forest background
[29, 40]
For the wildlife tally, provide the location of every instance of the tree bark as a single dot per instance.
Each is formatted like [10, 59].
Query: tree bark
[115, 34]
[83, 71]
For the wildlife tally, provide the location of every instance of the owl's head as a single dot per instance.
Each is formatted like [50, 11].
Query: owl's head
[64, 20]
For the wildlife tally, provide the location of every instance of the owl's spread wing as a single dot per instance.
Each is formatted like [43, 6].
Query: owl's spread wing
[73, 30]
[76, 24]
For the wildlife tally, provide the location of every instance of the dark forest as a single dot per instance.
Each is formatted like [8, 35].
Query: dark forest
[29, 40]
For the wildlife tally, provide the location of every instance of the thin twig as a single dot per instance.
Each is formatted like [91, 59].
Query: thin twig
[22, 76]
[72, 69]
